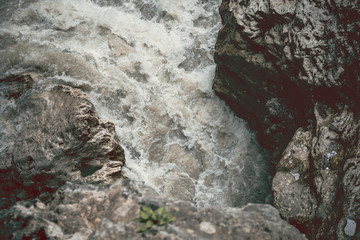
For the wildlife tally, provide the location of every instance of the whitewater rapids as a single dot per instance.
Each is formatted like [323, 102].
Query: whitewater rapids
[148, 67]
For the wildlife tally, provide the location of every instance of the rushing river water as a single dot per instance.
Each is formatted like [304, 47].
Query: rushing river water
[148, 67]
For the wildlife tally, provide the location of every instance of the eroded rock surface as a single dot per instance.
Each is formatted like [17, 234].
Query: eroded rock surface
[89, 212]
[291, 69]
[276, 59]
[50, 137]
[317, 183]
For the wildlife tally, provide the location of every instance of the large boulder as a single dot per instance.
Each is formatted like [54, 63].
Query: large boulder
[317, 185]
[276, 59]
[93, 212]
[49, 137]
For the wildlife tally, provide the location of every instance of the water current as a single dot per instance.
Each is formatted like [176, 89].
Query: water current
[147, 66]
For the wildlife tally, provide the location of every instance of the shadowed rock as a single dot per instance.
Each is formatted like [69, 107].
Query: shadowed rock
[317, 183]
[291, 69]
[295, 52]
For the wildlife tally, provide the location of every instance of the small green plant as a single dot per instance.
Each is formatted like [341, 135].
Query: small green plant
[150, 218]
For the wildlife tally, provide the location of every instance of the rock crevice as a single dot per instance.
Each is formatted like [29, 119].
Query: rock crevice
[290, 68]
[300, 52]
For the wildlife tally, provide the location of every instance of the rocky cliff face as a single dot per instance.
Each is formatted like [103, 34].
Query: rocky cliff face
[88, 212]
[277, 58]
[50, 137]
[291, 68]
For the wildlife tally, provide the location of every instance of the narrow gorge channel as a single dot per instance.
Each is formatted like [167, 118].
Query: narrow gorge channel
[147, 66]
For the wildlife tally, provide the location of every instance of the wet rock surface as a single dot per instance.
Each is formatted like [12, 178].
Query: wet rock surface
[15, 85]
[290, 68]
[316, 187]
[50, 137]
[93, 212]
[276, 59]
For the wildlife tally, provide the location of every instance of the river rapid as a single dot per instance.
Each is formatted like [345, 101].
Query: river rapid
[147, 66]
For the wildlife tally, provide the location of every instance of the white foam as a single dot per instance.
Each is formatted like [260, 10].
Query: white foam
[148, 67]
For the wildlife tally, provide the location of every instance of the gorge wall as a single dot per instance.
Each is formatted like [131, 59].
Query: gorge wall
[291, 69]
[288, 67]
[136, 73]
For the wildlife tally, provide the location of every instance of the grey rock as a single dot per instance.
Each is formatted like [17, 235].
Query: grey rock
[295, 200]
[296, 155]
[299, 51]
[351, 183]
[50, 137]
[290, 68]
[324, 201]
[315, 42]
[80, 211]
[15, 85]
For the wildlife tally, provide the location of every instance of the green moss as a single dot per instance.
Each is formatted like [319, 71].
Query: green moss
[149, 218]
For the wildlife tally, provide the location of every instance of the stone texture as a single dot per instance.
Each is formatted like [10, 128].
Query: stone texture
[291, 69]
[276, 59]
[294, 200]
[15, 85]
[49, 137]
[93, 212]
[316, 186]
